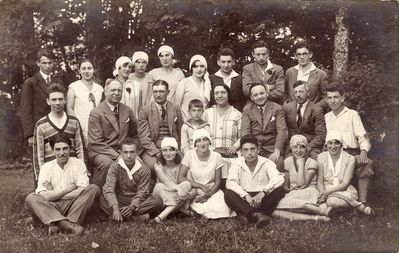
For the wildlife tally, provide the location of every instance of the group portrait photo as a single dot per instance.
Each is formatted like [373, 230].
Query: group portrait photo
[199, 126]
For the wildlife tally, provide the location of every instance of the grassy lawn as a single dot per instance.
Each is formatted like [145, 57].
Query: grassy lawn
[349, 233]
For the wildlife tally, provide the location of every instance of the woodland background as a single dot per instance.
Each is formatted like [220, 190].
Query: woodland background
[356, 42]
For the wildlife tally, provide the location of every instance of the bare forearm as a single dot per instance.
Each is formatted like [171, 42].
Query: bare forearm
[73, 194]
[54, 194]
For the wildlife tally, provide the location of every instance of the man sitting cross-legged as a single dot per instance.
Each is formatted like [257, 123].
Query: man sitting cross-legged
[63, 195]
[254, 186]
[127, 187]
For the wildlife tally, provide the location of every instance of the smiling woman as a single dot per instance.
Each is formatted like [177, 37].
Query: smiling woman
[84, 95]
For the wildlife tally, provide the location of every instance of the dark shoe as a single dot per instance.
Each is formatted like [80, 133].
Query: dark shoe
[53, 229]
[243, 221]
[70, 227]
[156, 220]
[262, 220]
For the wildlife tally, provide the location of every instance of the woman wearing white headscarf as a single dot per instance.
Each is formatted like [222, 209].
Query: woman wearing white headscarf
[122, 69]
[335, 172]
[196, 86]
[167, 72]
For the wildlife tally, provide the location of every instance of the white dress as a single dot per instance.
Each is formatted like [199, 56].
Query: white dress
[83, 105]
[204, 173]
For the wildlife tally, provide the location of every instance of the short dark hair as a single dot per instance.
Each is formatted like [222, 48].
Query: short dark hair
[302, 44]
[131, 141]
[161, 82]
[253, 85]
[298, 83]
[333, 87]
[83, 61]
[56, 87]
[44, 53]
[229, 96]
[60, 138]
[195, 103]
[260, 43]
[225, 52]
[248, 138]
[177, 158]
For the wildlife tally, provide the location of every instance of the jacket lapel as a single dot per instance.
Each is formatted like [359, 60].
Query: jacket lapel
[256, 112]
[312, 77]
[267, 75]
[154, 118]
[258, 72]
[170, 115]
[305, 115]
[42, 83]
[109, 115]
[267, 114]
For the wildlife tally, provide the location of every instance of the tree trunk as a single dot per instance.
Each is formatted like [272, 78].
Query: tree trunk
[341, 42]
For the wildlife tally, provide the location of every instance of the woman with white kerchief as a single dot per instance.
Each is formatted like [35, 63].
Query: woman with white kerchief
[196, 86]
[335, 172]
[167, 72]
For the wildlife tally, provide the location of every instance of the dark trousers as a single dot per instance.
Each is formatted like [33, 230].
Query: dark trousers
[153, 205]
[242, 207]
[101, 164]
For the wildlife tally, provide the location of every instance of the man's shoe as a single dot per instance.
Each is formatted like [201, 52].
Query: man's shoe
[53, 229]
[262, 220]
[70, 227]
[243, 221]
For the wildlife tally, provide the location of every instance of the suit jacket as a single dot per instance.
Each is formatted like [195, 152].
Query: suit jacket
[33, 104]
[237, 94]
[274, 78]
[272, 134]
[149, 121]
[316, 85]
[105, 135]
[313, 126]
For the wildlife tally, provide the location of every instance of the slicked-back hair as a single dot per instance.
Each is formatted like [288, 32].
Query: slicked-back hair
[248, 138]
[225, 52]
[83, 61]
[62, 137]
[131, 141]
[299, 83]
[161, 82]
[303, 44]
[45, 53]
[56, 87]
[253, 85]
[260, 43]
[333, 87]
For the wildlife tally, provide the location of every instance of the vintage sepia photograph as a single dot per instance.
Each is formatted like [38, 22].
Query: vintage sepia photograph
[199, 126]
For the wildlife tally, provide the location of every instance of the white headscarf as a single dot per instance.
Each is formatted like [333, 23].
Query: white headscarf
[165, 48]
[139, 55]
[207, 84]
[121, 60]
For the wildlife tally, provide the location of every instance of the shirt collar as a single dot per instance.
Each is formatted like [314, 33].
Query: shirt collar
[342, 112]
[312, 67]
[259, 164]
[44, 75]
[136, 167]
[232, 74]
[160, 106]
[303, 105]
[110, 106]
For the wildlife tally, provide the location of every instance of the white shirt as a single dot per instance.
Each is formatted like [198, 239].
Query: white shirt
[111, 106]
[348, 122]
[265, 176]
[74, 172]
[226, 80]
[137, 165]
[304, 76]
[303, 108]
[58, 122]
[45, 76]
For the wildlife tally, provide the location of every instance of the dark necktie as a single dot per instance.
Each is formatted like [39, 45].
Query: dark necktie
[116, 114]
[163, 112]
[48, 79]
[299, 120]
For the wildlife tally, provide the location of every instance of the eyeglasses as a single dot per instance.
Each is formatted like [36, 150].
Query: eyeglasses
[92, 99]
[302, 54]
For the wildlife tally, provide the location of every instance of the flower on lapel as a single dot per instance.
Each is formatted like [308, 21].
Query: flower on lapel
[129, 90]
[270, 71]
[273, 118]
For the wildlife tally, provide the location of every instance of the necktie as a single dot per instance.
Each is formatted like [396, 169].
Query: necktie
[116, 114]
[163, 112]
[48, 79]
[299, 120]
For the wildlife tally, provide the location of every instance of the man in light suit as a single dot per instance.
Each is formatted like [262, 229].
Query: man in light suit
[305, 118]
[228, 76]
[161, 118]
[34, 94]
[110, 123]
[263, 71]
[306, 71]
[266, 120]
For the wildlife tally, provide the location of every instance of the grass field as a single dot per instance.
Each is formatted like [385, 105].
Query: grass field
[349, 233]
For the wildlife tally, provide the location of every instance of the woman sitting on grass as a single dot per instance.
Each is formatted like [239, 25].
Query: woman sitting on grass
[335, 171]
[203, 169]
[300, 185]
[172, 194]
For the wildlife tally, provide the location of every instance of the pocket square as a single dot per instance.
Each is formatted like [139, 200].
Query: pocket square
[175, 119]
[273, 118]
[128, 119]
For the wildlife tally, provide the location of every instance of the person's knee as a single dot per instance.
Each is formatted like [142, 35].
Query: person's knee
[335, 202]
[93, 189]
[32, 197]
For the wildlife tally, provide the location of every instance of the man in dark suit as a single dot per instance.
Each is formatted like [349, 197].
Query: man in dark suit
[34, 94]
[265, 119]
[228, 76]
[305, 118]
[306, 71]
[263, 71]
[161, 118]
[110, 123]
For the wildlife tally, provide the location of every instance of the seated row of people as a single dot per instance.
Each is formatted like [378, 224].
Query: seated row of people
[256, 191]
